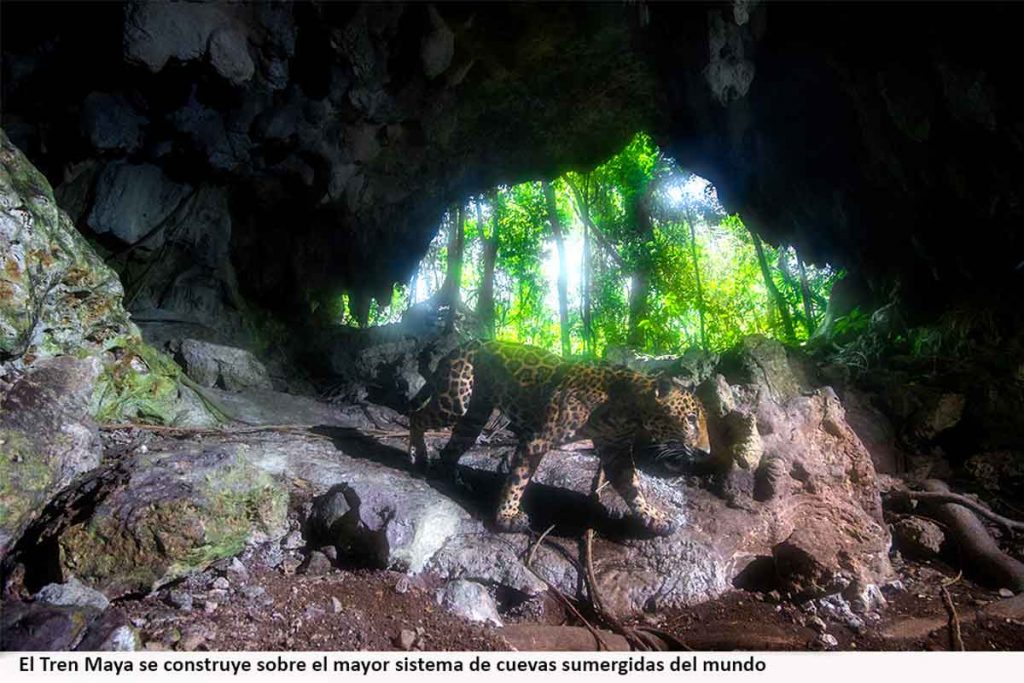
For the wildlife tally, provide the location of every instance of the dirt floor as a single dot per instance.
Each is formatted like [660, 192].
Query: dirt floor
[277, 609]
[343, 610]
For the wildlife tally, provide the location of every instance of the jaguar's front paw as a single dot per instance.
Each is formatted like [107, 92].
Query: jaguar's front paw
[518, 523]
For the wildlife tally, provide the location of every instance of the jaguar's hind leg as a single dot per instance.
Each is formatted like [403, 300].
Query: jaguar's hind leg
[510, 515]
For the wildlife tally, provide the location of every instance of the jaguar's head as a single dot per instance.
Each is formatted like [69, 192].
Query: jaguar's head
[675, 426]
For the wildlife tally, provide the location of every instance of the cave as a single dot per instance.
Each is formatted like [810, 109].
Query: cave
[219, 219]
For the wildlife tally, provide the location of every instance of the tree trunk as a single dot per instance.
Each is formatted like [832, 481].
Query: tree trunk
[453, 278]
[485, 303]
[582, 202]
[640, 280]
[773, 291]
[805, 290]
[563, 277]
[700, 286]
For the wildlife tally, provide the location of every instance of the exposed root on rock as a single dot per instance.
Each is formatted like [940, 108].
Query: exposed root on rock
[950, 497]
[979, 553]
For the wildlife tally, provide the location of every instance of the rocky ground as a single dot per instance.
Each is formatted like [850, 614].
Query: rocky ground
[275, 597]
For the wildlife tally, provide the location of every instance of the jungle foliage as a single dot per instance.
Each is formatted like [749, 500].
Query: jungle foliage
[635, 253]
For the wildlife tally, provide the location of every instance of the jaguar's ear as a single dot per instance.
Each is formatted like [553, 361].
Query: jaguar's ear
[664, 385]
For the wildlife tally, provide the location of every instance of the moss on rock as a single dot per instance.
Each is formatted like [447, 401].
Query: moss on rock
[175, 516]
[58, 297]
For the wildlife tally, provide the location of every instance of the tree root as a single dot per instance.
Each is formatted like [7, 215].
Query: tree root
[979, 553]
[950, 497]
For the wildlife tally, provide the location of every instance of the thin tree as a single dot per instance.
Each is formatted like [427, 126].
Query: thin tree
[453, 278]
[805, 290]
[697, 281]
[563, 277]
[485, 302]
[581, 196]
[640, 279]
[773, 291]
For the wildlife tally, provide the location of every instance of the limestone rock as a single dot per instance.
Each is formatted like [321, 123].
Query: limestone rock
[470, 600]
[111, 123]
[71, 301]
[229, 55]
[132, 200]
[214, 365]
[399, 522]
[917, 537]
[46, 438]
[438, 46]
[175, 515]
[72, 592]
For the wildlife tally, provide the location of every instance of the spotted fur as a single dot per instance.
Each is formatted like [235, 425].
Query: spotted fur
[549, 402]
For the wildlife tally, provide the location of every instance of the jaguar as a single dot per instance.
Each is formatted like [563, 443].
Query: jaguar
[548, 402]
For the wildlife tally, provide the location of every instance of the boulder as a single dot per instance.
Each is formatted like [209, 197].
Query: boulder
[176, 514]
[918, 537]
[46, 438]
[72, 592]
[133, 201]
[214, 365]
[42, 626]
[111, 123]
[56, 295]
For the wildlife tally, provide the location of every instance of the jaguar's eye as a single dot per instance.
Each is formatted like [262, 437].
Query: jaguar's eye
[692, 419]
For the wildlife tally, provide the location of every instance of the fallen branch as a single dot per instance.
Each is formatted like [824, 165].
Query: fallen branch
[956, 641]
[533, 548]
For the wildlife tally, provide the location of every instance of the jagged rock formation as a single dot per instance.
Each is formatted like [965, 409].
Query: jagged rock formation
[68, 351]
[286, 152]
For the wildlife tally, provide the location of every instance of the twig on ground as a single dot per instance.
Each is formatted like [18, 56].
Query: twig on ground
[536, 544]
[956, 642]
[602, 644]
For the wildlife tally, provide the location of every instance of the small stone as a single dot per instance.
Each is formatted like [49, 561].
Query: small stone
[253, 592]
[312, 612]
[402, 585]
[336, 605]
[220, 583]
[316, 564]
[121, 639]
[237, 570]
[825, 641]
[73, 593]
[293, 541]
[193, 637]
[1005, 593]
[289, 565]
[216, 594]
[817, 624]
[210, 606]
[180, 599]
[917, 537]
[331, 552]
[406, 639]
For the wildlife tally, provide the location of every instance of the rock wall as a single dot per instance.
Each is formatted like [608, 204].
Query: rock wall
[289, 151]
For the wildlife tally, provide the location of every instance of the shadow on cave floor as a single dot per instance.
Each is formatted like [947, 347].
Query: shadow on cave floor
[570, 512]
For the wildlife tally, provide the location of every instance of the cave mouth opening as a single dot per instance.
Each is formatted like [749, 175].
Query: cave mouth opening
[650, 259]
